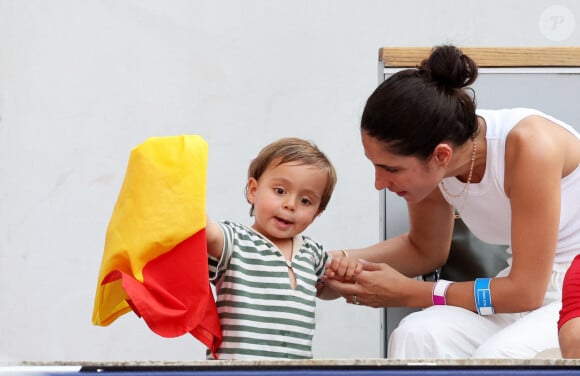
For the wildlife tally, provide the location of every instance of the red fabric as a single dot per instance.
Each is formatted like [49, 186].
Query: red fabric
[175, 297]
[571, 293]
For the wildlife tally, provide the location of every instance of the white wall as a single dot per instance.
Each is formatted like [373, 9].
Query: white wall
[82, 82]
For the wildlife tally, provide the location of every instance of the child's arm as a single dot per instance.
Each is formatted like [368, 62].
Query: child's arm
[215, 239]
[342, 267]
[339, 267]
[324, 292]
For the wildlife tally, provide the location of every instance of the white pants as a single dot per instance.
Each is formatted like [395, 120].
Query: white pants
[449, 332]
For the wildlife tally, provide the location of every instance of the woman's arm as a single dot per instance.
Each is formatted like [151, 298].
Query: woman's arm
[389, 267]
[421, 250]
[535, 162]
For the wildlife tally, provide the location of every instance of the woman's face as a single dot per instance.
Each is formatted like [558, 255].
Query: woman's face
[407, 176]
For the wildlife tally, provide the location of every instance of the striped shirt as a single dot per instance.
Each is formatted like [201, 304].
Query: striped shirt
[260, 314]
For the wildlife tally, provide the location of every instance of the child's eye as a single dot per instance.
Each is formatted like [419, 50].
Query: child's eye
[279, 190]
[305, 201]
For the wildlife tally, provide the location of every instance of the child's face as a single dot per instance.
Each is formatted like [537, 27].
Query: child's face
[286, 199]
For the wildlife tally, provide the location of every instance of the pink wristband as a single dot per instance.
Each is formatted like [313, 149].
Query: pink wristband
[439, 290]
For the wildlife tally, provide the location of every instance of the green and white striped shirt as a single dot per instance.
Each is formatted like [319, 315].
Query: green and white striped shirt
[260, 314]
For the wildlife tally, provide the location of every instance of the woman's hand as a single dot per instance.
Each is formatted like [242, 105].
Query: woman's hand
[376, 285]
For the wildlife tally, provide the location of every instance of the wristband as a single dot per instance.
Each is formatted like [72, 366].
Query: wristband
[482, 295]
[439, 290]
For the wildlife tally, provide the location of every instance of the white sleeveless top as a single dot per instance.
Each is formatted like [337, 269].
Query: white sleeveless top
[486, 210]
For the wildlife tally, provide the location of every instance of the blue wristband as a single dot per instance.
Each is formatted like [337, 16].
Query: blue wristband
[482, 294]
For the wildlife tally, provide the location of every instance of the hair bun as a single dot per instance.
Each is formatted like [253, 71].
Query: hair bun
[448, 66]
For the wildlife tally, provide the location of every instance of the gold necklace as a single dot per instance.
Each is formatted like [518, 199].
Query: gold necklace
[465, 188]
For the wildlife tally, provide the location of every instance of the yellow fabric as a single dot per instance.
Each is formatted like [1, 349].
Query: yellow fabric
[161, 203]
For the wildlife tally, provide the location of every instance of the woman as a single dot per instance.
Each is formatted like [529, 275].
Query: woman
[512, 175]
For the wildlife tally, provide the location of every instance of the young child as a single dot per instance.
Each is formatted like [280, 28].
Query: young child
[267, 276]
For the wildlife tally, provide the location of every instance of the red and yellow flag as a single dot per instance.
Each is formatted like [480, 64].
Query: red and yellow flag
[155, 257]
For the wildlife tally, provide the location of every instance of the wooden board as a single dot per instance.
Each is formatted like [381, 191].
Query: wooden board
[489, 56]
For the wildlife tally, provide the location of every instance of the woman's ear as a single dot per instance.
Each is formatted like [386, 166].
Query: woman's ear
[442, 154]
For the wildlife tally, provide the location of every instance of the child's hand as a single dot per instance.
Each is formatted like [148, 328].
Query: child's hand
[342, 268]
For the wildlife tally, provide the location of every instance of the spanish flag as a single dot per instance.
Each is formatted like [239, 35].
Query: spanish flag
[155, 256]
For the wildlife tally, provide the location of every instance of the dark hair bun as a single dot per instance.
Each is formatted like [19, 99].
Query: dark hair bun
[448, 66]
